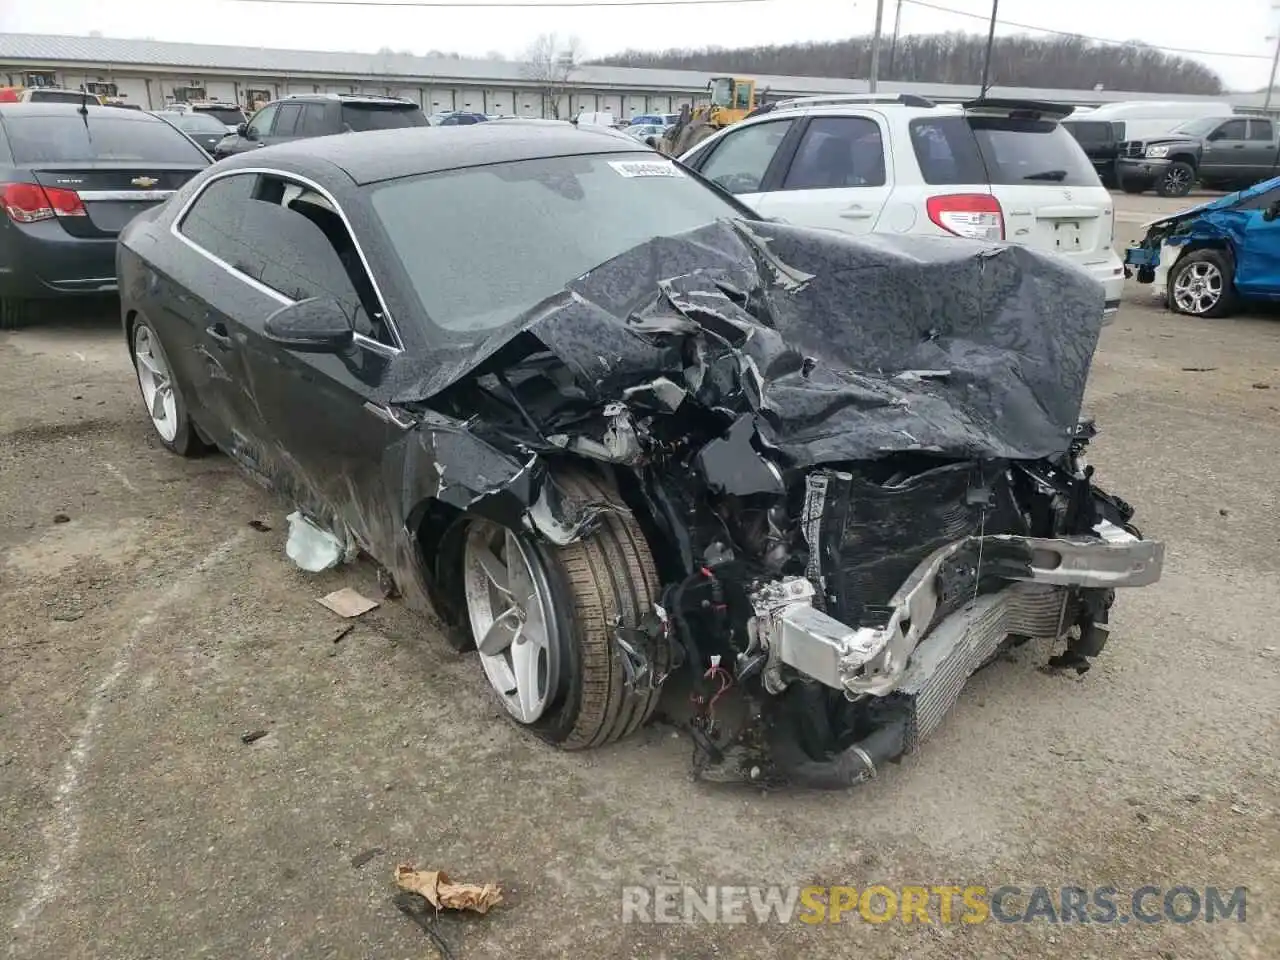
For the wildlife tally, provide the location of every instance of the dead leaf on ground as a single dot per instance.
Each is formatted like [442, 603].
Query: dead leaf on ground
[443, 894]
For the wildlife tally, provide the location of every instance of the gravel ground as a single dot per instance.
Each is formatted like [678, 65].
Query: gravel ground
[149, 627]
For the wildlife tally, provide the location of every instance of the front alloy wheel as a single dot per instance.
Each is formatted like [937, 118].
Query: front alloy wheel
[509, 605]
[1178, 180]
[1200, 285]
[546, 620]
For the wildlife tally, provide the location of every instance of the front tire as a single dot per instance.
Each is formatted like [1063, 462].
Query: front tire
[161, 396]
[1177, 180]
[1200, 284]
[554, 664]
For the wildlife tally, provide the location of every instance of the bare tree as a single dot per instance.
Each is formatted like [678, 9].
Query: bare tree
[1019, 60]
[550, 62]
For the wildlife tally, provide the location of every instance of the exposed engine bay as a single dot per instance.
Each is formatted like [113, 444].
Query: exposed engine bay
[858, 465]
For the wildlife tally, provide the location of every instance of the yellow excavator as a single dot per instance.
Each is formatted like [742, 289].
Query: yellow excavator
[732, 98]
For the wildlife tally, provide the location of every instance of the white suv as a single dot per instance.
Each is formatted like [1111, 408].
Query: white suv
[989, 170]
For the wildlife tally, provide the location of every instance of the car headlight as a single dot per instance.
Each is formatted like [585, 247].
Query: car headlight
[1157, 152]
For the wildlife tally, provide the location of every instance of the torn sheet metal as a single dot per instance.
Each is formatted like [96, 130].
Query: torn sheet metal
[813, 332]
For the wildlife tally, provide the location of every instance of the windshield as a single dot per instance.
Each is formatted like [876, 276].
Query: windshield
[227, 116]
[198, 122]
[999, 150]
[368, 116]
[482, 245]
[121, 136]
[1199, 128]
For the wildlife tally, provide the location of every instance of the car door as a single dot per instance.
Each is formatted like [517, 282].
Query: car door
[836, 177]
[1258, 256]
[742, 161]
[1260, 155]
[321, 434]
[285, 126]
[256, 131]
[1226, 150]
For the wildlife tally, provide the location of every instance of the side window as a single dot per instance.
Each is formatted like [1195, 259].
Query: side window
[312, 123]
[838, 152]
[287, 121]
[213, 222]
[260, 125]
[289, 238]
[1231, 130]
[739, 161]
[1259, 129]
[303, 249]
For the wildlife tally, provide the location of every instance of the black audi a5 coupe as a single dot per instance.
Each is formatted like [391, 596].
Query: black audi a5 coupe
[609, 426]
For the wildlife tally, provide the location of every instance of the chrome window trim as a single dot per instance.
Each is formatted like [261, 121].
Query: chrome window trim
[392, 349]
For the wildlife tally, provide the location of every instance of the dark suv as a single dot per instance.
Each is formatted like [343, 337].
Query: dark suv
[318, 115]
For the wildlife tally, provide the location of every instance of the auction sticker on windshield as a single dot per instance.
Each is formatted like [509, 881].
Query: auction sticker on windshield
[646, 168]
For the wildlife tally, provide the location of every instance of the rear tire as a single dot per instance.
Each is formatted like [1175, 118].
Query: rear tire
[1200, 284]
[595, 585]
[172, 424]
[1177, 180]
[16, 313]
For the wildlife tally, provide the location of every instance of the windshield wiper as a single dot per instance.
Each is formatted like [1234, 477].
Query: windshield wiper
[1047, 175]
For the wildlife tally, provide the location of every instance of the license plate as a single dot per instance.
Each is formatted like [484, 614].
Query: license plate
[1066, 236]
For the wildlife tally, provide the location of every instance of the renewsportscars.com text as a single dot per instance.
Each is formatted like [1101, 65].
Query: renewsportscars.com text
[940, 904]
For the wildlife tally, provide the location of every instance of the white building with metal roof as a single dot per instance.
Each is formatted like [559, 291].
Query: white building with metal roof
[152, 73]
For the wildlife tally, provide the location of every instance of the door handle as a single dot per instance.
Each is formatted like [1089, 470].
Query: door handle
[1237, 146]
[856, 213]
[217, 332]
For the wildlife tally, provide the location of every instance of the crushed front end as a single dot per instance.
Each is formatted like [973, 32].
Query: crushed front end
[859, 466]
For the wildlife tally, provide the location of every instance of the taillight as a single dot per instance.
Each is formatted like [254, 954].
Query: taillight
[974, 215]
[29, 202]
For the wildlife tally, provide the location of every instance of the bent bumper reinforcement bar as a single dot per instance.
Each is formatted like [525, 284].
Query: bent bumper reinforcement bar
[874, 660]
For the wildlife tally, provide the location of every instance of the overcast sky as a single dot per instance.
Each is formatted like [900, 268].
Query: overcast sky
[1233, 26]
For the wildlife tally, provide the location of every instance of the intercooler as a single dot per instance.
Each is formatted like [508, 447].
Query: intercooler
[963, 642]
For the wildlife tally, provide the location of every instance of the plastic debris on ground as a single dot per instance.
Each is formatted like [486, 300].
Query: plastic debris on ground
[310, 547]
[444, 894]
[347, 603]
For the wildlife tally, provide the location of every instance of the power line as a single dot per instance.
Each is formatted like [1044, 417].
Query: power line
[511, 5]
[1067, 33]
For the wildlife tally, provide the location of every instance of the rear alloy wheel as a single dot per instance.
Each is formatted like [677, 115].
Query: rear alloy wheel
[161, 395]
[543, 619]
[1177, 180]
[1200, 285]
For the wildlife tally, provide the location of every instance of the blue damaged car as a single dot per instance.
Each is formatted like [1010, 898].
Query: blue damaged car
[1208, 258]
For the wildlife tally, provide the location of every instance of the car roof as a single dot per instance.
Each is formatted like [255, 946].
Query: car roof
[409, 151]
[349, 98]
[45, 109]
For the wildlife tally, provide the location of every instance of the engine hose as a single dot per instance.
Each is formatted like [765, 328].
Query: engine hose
[852, 766]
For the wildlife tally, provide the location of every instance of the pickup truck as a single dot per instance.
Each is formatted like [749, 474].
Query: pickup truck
[1232, 152]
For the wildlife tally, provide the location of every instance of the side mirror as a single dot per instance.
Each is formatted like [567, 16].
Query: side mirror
[1217, 135]
[1272, 211]
[243, 130]
[310, 326]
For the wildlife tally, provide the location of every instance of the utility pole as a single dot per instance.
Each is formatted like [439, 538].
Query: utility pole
[1275, 59]
[875, 47]
[991, 39]
[893, 47]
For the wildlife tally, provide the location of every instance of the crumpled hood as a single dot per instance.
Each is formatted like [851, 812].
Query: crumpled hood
[1226, 202]
[839, 348]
